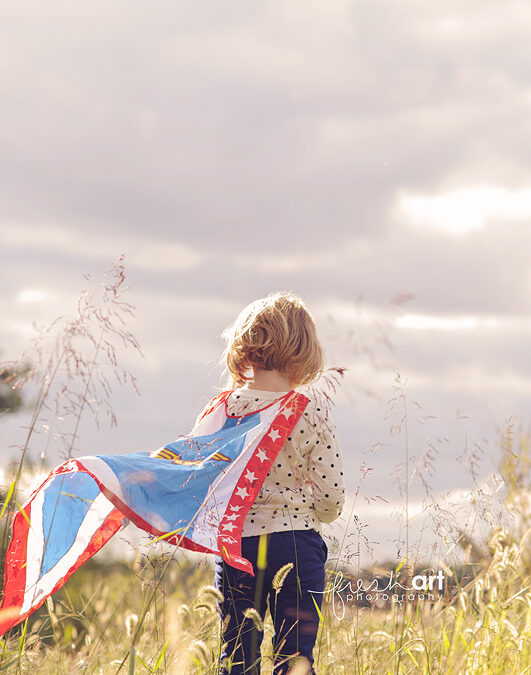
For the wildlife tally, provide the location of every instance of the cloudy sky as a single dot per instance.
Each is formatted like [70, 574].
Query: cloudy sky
[356, 153]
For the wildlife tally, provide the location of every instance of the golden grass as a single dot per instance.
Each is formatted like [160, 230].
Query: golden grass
[87, 627]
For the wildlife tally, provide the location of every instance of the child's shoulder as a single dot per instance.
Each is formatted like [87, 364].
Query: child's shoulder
[317, 417]
[320, 404]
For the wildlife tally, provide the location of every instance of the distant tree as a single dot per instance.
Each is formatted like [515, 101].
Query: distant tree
[10, 398]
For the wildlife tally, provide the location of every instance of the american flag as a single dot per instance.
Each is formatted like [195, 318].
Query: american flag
[194, 493]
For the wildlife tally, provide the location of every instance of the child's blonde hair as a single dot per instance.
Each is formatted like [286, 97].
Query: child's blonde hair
[274, 333]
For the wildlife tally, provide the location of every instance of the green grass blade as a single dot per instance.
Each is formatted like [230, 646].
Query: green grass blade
[318, 610]
[8, 497]
[161, 657]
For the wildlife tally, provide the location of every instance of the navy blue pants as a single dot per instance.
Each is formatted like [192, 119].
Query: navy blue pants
[293, 611]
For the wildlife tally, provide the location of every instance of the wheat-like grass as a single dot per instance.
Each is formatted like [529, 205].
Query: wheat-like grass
[280, 576]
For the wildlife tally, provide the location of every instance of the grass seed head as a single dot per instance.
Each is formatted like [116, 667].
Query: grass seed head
[511, 628]
[200, 651]
[205, 606]
[299, 665]
[280, 576]
[251, 613]
[213, 591]
[131, 621]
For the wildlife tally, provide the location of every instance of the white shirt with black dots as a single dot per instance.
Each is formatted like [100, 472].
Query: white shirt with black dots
[304, 487]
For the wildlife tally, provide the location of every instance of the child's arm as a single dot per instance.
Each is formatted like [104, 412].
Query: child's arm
[326, 473]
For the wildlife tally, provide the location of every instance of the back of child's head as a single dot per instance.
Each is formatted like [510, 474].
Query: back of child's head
[274, 333]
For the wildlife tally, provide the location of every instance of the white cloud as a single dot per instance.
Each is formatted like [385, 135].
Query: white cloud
[364, 314]
[172, 328]
[477, 379]
[284, 263]
[140, 251]
[464, 210]
[463, 323]
[31, 295]
[418, 322]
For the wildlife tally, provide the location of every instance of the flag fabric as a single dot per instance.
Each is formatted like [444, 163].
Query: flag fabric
[194, 493]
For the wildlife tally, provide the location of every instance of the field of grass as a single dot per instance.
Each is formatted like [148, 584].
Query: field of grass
[161, 617]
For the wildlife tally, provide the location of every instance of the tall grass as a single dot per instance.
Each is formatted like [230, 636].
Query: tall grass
[74, 360]
[158, 614]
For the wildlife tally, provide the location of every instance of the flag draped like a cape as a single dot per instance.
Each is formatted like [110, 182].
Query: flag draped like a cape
[194, 492]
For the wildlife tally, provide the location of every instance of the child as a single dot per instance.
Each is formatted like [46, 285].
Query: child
[272, 348]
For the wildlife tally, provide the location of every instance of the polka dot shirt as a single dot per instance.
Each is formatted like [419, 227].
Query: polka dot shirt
[304, 487]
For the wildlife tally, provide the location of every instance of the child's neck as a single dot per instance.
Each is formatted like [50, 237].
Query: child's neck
[269, 380]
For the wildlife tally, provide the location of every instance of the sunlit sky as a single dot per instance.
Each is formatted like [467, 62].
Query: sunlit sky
[352, 152]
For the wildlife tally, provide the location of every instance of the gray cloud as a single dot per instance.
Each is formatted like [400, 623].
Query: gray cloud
[212, 126]
[230, 150]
